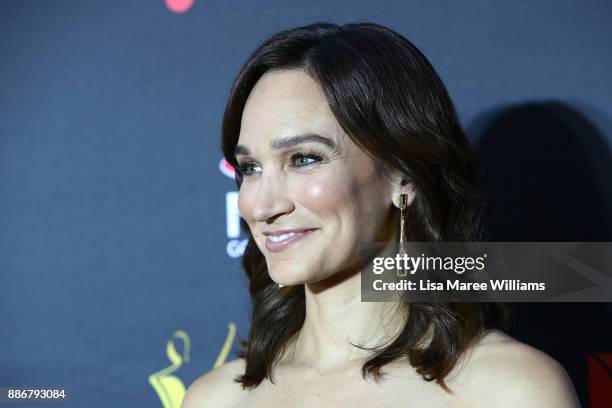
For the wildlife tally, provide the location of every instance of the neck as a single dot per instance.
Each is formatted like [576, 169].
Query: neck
[335, 318]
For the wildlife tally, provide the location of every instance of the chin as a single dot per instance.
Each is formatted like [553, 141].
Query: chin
[290, 276]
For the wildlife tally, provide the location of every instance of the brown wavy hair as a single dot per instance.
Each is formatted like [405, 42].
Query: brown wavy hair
[390, 101]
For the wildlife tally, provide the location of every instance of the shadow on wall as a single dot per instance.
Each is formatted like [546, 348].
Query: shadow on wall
[545, 168]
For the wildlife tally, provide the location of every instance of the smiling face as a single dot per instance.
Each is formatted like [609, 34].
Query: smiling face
[309, 195]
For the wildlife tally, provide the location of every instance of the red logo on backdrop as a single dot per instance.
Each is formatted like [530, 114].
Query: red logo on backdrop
[226, 168]
[600, 380]
[178, 6]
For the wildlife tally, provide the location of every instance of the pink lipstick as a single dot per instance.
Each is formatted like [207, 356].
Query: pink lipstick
[277, 241]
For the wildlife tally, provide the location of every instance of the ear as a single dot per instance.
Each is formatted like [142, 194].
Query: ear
[403, 187]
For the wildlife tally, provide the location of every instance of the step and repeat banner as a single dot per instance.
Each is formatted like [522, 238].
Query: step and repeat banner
[120, 239]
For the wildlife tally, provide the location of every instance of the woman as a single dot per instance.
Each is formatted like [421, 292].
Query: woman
[329, 127]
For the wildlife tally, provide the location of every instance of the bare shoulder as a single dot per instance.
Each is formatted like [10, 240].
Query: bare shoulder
[504, 372]
[216, 388]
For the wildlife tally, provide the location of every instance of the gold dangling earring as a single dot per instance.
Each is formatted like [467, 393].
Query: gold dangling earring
[402, 206]
[402, 249]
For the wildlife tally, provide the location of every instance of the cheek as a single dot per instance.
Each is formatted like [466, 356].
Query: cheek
[352, 203]
[325, 195]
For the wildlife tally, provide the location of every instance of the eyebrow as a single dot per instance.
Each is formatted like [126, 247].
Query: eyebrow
[290, 141]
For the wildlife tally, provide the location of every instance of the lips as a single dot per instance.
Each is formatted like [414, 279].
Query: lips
[277, 241]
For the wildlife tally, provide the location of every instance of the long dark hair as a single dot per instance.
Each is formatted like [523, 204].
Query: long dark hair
[389, 100]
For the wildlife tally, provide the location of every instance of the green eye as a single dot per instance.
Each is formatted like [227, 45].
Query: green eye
[303, 160]
[247, 169]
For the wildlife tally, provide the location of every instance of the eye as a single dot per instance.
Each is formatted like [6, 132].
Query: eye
[305, 159]
[247, 169]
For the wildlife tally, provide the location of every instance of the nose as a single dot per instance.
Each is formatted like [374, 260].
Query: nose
[271, 198]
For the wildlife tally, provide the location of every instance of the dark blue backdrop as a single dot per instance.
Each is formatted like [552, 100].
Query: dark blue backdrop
[118, 231]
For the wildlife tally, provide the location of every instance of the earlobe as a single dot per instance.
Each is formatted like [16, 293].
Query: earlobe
[408, 190]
